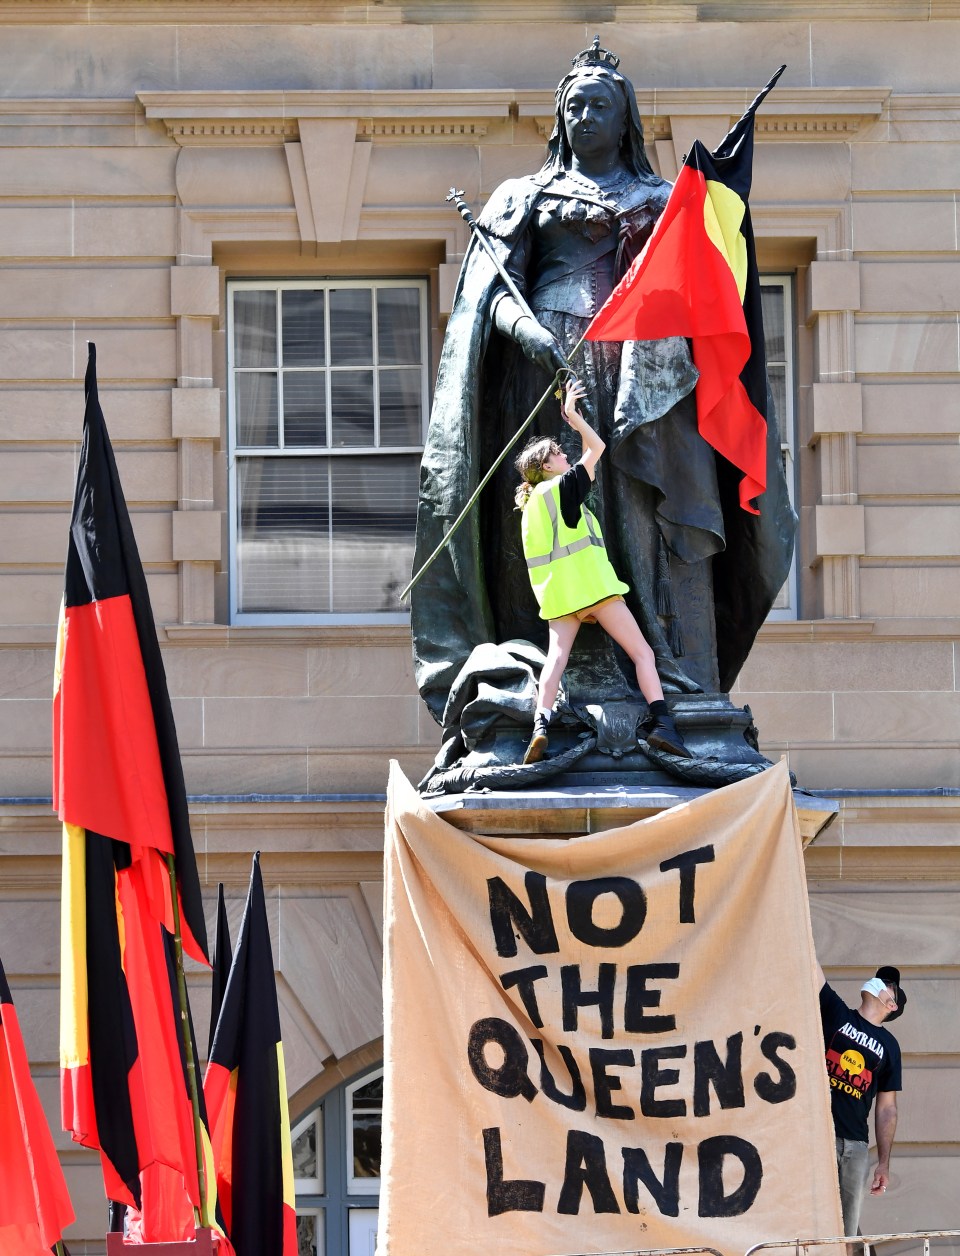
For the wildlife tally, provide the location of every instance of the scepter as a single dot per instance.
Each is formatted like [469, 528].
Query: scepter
[478, 233]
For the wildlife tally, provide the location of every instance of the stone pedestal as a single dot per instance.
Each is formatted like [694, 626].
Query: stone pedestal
[575, 810]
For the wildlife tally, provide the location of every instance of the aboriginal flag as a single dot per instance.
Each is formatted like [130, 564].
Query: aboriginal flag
[35, 1208]
[246, 1092]
[118, 788]
[222, 959]
[697, 277]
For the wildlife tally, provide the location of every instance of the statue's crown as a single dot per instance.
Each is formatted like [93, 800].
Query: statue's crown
[595, 55]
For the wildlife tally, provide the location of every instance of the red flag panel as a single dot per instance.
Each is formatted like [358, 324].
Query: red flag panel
[35, 1207]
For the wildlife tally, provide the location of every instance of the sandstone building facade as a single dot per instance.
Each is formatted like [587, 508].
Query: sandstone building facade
[198, 187]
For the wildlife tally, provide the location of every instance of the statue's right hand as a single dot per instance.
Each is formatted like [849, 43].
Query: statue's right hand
[539, 345]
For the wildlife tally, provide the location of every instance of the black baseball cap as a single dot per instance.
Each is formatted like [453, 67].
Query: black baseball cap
[891, 976]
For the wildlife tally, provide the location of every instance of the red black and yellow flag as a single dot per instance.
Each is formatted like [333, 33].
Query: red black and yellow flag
[118, 788]
[222, 960]
[697, 277]
[35, 1208]
[246, 1092]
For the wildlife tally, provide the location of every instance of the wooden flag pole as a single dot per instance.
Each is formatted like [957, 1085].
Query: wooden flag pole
[188, 1046]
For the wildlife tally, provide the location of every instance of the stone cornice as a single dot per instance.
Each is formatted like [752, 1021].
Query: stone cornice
[396, 12]
[273, 117]
[812, 113]
[186, 636]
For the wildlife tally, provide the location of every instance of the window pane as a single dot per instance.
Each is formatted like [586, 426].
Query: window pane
[303, 314]
[283, 551]
[351, 326]
[771, 296]
[398, 326]
[370, 1095]
[257, 408]
[366, 1145]
[401, 417]
[374, 517]
[310, 1234]
[363, 1231]
[778, 386]
[255, 328]
[306, 1163]
[351, 403]
[304, 408]
[294, 554]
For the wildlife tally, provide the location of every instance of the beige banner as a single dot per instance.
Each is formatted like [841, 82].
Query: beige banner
[603, 1043]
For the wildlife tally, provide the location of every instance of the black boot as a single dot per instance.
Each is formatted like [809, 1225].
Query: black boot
[664, 734]
[538, 742]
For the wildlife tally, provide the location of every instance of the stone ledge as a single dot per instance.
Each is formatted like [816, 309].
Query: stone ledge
[397, 12]
[272, 117]
[576, 810]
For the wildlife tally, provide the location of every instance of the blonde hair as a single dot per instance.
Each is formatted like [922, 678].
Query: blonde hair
[530, 465]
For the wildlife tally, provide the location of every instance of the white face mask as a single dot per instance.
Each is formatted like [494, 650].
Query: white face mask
[877, 988]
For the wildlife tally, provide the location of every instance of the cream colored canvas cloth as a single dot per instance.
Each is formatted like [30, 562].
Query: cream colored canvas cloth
[604, 1043]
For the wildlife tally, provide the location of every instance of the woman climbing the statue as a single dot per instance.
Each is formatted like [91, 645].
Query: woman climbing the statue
[571, 576]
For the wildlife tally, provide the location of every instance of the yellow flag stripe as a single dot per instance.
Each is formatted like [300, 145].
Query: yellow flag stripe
[286, 1147]
[723, 213]
[74, 1031]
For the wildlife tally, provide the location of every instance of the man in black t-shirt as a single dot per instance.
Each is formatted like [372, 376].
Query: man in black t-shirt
[863, 1064]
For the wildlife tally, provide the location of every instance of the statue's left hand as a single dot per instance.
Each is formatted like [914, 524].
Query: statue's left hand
[539, 345]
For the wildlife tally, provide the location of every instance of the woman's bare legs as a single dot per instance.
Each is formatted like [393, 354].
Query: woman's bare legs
[563, 633]
[617, 620]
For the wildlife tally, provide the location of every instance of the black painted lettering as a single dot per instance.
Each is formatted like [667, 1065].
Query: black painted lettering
[523, 979]
[516, 1195]
[576, 1100]
[726, 1077]
[665, 1192]
[581, 897]
[508, 1079]
[586, 1166]
[686, 865]
[605, 1083]
[711, 1154]
[638, 998]
[784, 1087]
[574, 996]
[535, 923]
[652, 1077]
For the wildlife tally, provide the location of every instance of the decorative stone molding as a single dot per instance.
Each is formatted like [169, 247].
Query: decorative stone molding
[274, 117]
[396, 12]
[248, 131]
[790, 113]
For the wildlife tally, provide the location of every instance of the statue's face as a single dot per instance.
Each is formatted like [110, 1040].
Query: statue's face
[593, 118]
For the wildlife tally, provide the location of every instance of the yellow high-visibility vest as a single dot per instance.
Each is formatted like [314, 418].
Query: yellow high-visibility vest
[568, 567]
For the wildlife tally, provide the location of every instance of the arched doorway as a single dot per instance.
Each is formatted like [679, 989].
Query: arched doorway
[336, 1165]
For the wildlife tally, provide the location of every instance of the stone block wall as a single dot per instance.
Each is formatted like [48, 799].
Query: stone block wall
[151, 150]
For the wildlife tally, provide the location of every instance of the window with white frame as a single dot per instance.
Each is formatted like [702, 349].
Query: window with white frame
[328, 406]
[776, 292]
[336, 1166]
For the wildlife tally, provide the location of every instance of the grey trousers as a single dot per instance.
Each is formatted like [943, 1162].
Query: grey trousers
[853, 1168]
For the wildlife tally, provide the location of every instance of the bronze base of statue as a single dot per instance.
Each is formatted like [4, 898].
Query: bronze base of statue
[599, 742]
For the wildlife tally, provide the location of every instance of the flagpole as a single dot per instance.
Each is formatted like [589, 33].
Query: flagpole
[486, 479]
[188, 1046]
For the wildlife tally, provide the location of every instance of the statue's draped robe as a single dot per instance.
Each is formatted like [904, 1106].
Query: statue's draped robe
[659, 478]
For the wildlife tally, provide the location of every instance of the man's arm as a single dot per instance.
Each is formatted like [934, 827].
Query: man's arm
[885, 1122]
